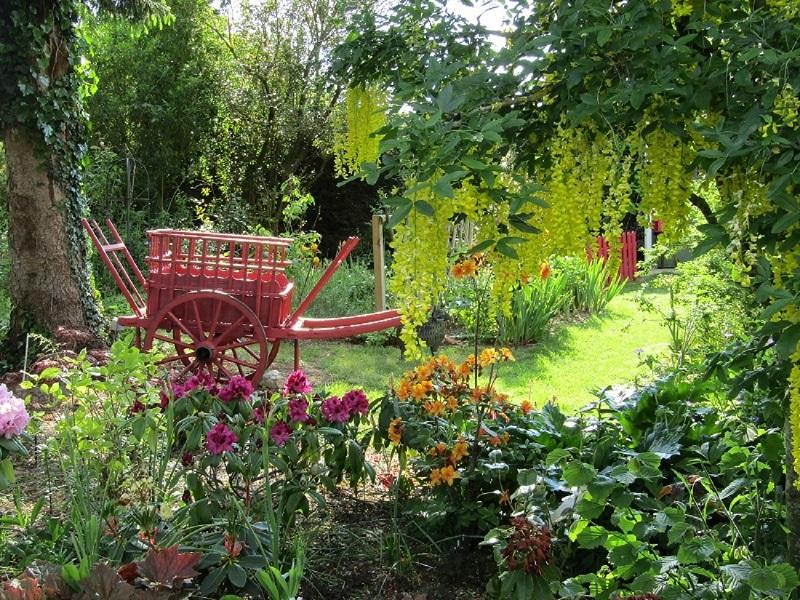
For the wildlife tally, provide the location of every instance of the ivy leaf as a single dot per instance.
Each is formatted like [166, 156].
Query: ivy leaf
[169, 567]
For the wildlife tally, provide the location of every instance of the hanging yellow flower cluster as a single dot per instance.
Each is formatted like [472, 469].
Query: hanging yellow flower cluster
[574, 188]
[749, 196]
[354, 140]
[794, 412]
[420, 247]
[664, 182]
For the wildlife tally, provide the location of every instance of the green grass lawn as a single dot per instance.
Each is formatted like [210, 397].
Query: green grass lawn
[574, 360]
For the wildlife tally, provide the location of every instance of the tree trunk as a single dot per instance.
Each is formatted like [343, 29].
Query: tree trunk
[43, 287]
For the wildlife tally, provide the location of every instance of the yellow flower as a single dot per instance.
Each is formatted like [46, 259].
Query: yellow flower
[436, 476]
[506, 354]
[448, 475]
[396, 431]
[460, 450]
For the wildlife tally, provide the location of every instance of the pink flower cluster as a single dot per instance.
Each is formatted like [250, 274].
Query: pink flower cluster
[296, 383]
[200, 380]
[13, 416]
[341, 410]
[280, 433]
[238, 387]
[220, 439]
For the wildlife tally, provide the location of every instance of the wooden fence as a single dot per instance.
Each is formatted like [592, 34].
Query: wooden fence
[627, 267]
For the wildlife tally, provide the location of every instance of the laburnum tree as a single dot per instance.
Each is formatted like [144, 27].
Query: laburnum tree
[43, 80]
[587, 110]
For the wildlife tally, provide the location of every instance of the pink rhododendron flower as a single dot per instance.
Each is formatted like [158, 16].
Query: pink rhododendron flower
[259, 415]
[280, 433]
[201, 380]
[335, 410]
[220, 439]
[13, 416]
[296, 383]
[356, 402]
[237, 387]
[298, 410]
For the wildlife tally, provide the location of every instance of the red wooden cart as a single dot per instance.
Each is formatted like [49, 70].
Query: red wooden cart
[221, 302]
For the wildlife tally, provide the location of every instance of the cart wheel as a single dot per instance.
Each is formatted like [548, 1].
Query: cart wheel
[214, 332]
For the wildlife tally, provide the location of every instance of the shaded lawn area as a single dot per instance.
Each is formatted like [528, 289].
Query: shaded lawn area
[574, 360]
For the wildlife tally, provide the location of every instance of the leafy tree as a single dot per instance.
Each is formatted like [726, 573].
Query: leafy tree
[44, 129]
[587, 110]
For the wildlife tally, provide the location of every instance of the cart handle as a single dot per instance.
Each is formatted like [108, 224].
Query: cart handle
[108, 253]
[343, 253]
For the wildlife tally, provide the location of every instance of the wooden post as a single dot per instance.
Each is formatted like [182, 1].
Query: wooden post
[377, 253]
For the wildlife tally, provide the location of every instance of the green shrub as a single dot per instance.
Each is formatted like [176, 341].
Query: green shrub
[533, 307]
[590, 284]
[350, 291]
[670, 490]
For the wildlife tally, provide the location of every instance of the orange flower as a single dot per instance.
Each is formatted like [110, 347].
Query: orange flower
[396, 430]
[470, 268]
[452, 403]
[465, 369]
[488, 357]
[506, 354]
[460, 450]
[435, 408]
[436, 477]
[448, 475]
[420, 390]
[404, 389]
[458, 271]
[544, 270]
[495, 440]
[505, 498]
[436, 450]
[477, 395]
[526, 407]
